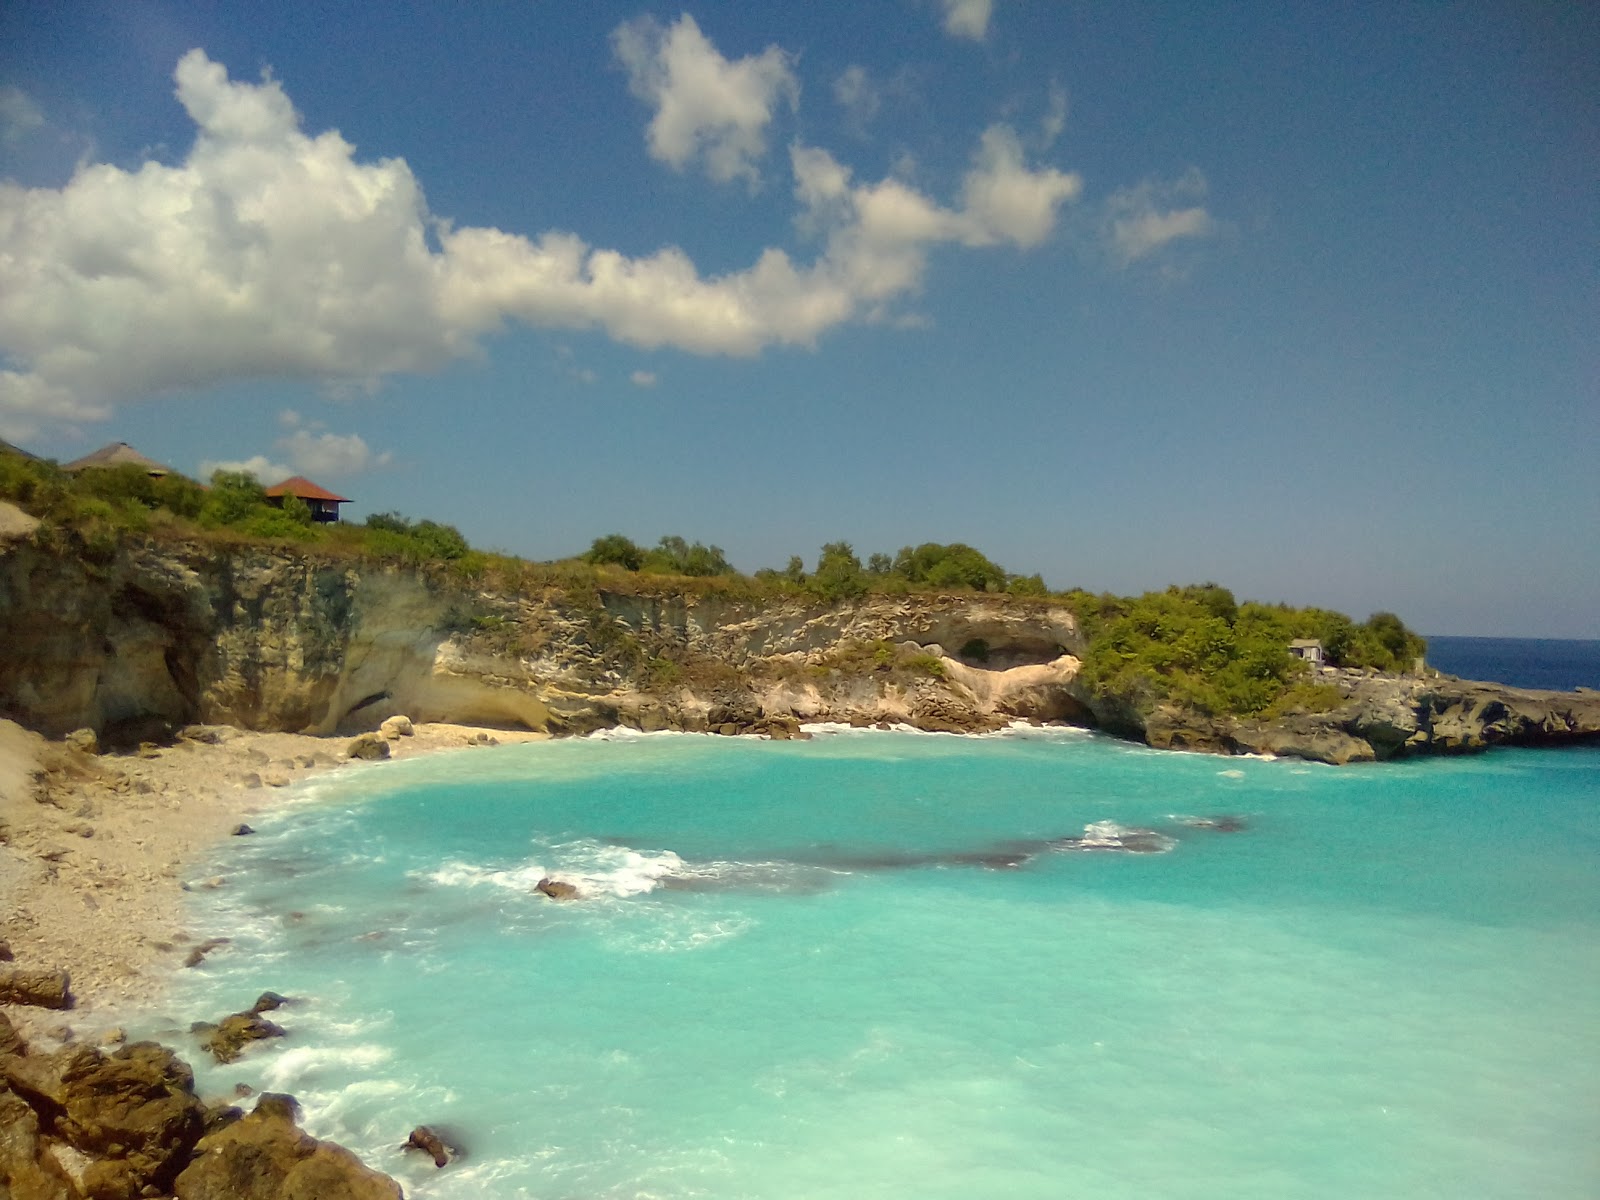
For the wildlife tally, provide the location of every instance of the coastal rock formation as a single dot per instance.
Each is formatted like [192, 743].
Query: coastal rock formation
[267, 1156]
[156, 638]
[83, 1124]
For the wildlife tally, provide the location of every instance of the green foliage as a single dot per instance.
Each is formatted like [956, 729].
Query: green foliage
[949, 567]
[235, 497]
[615, 549]
[838, 575]
[674, 556]
[795, 572]
[1031, 586]
[390, 535]
[1196, 645]
[879, 564]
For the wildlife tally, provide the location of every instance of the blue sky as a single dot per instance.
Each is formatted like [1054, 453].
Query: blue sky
[1300, 298]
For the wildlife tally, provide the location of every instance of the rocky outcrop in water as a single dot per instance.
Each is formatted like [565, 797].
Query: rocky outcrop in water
[83, 1124]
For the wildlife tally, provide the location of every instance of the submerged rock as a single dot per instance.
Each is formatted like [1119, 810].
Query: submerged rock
[430, 1143]
[227, 1041]
[556, 889]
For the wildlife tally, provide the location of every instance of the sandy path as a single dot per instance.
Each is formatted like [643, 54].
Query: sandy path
[96, 849]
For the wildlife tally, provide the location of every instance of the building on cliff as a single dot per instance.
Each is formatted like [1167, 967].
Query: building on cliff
[324, 505]
[1308, 650]
[118, 454]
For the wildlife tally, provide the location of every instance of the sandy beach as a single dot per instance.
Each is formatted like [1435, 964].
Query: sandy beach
[96, 850]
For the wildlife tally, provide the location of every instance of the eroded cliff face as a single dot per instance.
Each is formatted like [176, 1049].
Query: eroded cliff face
[162, 636]
[159, 636]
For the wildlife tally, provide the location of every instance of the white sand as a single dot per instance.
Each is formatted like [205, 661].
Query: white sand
[97, 849]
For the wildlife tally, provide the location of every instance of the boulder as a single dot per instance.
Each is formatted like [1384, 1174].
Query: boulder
[556, 889]
[20, 1169]
[227, 1041]
[368, 746]
[430, 1143]
[396, 727]
[267, 1156]
[197, 955]
[36, 988]
[119, 1126]
[10, 1040]
[268, 1001]
[85, 740]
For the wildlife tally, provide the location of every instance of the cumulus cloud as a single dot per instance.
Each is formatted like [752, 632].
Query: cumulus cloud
[19, 115]
[706, 107]
[264, 469]
[331, 453]
[1143, 219]
[644, 379]
[967, 18]
[270, 252]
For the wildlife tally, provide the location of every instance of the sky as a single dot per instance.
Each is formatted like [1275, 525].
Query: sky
[1300, 298]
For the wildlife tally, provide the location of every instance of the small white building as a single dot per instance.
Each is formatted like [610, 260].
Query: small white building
[1308, 650]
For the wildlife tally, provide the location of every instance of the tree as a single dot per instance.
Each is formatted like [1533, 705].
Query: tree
[235, 497]
[879, 564]
[838, 575]
[615, 549]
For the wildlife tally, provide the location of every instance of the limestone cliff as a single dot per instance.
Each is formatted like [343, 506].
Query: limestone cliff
[162, 636]
[157, 636]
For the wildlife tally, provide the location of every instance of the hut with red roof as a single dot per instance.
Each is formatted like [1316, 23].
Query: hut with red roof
[324, 505]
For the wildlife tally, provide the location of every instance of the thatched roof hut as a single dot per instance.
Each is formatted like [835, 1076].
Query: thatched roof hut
[117, 454]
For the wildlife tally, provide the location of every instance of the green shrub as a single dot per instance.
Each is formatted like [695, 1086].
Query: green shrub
[615, 549]
[838, 575]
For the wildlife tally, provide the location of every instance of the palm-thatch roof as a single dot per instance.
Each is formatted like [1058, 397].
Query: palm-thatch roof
[117, 454]
[299, 485]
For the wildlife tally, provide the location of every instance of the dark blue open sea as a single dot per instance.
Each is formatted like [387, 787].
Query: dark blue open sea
[1559, 663]
[801, 970]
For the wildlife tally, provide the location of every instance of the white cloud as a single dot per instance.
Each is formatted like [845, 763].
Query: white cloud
[858, 96]
[19, 115]
[1055, 117]
[967, 18]
[644, 379]
[265, 471]
[318, 454]
[268, 252]
[705, 106]
[1143, 219]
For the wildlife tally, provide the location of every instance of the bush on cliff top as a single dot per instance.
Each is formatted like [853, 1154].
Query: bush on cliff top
[1198, 647]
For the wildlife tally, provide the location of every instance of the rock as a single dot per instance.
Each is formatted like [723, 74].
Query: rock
[5, 952]
[276, 779]
[227, 1041]
[84, 740]
[396, 727]
[10, 1040]
[367, 746]
[266, 1156]
[556, 889]
[197, 955]
[35, 988]
[242, 831]
[269, 1001]
[115, 1036]
[127, 1120]
[425, 1139]
[210, 735]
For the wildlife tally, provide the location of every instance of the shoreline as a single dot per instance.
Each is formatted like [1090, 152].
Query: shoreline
[97, 851]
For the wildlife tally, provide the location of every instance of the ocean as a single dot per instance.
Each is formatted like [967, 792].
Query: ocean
[892, 965]
[1561, 664]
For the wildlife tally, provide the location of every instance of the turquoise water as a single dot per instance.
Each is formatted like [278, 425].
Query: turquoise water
[787, 981]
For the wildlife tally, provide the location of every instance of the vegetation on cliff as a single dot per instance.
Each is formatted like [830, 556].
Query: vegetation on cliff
[1198, 647]
[1194, 647]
